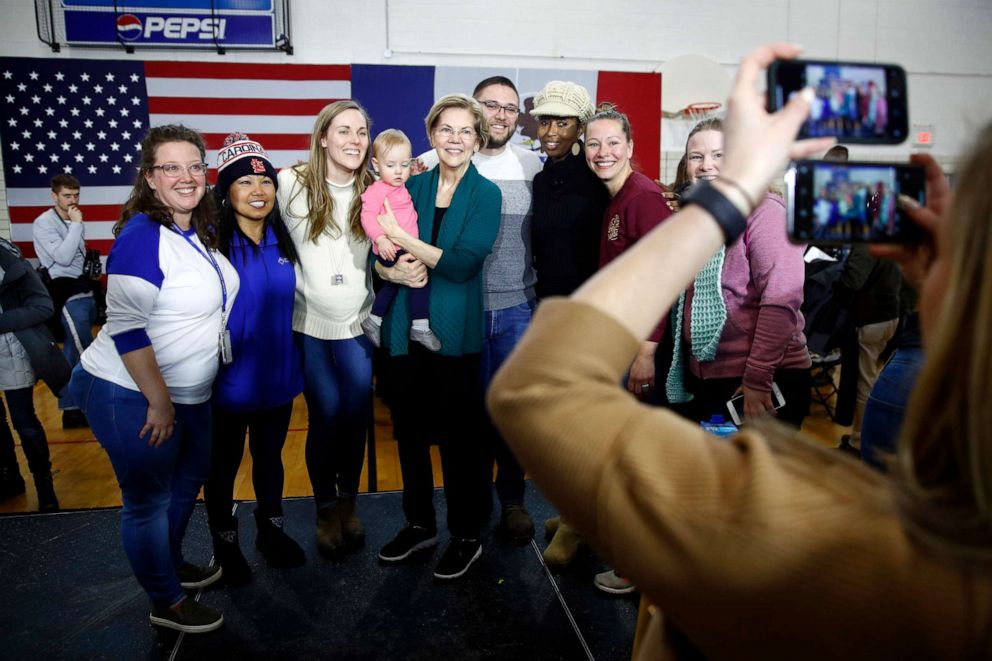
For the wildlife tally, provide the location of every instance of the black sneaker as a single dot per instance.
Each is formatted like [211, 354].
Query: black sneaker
[409, 540]
[74, 419]
[459, 556]
[190, 616]
[193, 577]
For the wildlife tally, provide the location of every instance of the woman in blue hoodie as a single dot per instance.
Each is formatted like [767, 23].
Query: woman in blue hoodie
[255, 392]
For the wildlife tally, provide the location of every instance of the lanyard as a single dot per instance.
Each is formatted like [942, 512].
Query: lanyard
[213, 262]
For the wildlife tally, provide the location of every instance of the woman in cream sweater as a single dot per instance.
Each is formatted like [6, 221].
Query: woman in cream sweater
[321, 203]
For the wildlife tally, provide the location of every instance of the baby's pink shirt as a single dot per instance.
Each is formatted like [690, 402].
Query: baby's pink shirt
[373, 206]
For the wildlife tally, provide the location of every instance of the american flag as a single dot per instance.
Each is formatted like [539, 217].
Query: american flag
[87, 118]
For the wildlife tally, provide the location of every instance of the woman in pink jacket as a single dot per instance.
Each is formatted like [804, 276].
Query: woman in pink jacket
[741, 326]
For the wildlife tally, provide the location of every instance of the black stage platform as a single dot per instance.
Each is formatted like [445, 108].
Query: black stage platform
[68, 593]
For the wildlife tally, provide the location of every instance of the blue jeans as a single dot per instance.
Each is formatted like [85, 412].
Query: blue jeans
[158, 485]
[504, 328]
[337, 377]
[78, 317]
[887, 404]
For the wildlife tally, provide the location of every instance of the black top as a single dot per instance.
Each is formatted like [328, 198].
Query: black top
[438, 219]
[569, 202]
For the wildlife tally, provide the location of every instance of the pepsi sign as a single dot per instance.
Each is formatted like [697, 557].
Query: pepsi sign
[199, 29]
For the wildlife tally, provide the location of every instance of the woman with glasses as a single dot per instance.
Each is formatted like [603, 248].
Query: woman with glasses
[437, 396]
[321, 202]
[145, 382]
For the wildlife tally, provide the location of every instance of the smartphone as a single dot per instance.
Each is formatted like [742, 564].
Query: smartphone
[855, 102]
[855, 202]
[736, 404]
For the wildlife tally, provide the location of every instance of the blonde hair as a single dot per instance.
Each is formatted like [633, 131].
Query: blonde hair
[313, 177]
[387, 140]
[463, 102]
[944, 459]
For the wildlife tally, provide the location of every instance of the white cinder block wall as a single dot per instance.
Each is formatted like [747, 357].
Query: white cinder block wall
[943, 44]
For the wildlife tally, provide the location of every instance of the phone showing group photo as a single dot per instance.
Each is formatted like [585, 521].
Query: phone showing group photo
[834, 203]
[854, 102]
[736, 405]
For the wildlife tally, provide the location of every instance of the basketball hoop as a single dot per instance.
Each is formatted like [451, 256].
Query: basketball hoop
[700, 111]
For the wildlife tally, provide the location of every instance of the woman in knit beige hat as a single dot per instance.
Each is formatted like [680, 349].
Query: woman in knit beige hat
[569, 201]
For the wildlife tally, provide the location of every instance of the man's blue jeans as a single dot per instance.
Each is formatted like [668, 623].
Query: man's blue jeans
[158, 485]
[78, 317]
[886, 406]
[504, 328]
[337, 378]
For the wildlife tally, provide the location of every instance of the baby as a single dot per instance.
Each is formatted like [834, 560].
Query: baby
[391, 157]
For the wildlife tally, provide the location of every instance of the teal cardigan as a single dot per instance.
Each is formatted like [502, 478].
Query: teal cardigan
[467, 235]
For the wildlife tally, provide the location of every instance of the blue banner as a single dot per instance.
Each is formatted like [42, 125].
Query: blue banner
[126, 6]
[87, 27]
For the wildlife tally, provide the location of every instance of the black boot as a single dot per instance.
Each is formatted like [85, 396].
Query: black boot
[227, 553]
[47, 502]
[279, 549]
[11, 482]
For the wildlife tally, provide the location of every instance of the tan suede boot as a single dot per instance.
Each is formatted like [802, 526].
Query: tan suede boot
[563, 547]
[351, 526]
[330, 542]
[551, 526]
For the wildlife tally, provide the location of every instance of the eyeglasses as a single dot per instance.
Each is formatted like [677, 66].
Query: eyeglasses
[464, 134]
[175, 170]
[495, 107]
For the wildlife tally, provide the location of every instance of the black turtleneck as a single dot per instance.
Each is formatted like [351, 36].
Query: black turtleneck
[569, 202]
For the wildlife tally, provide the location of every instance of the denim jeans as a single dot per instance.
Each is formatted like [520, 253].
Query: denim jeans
[887, 405]
[78, 317]
[158, 485]
[337, 378]
[504, 328]
[266, 430]
[34, 443]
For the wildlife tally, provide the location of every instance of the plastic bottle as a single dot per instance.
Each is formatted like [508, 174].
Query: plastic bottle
[718, 426]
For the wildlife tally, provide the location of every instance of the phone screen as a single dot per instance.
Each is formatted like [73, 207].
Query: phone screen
[854, 102]
[832, 202]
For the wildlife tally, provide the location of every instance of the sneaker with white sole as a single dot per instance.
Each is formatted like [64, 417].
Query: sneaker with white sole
[194, 577]
[458, 557]
[189, 616]
[613, 583]
[409, 540]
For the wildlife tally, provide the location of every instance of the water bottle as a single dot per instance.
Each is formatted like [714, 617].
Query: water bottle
[718, 426]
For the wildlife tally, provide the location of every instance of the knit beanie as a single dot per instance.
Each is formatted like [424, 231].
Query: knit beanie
[239, 156]
[563, 99]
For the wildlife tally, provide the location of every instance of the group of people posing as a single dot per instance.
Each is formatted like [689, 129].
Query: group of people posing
[223, 306]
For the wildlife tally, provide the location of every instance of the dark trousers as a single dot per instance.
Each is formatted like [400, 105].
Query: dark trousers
[710, 396]
[418, 298]
[437, 400]
[28, 427]
[266, 429]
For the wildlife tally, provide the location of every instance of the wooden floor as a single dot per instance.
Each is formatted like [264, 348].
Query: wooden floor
[85, 479]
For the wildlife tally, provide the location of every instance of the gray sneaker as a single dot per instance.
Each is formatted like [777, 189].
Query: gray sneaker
[190, 616]
[426, 338]
[193, 577]
[613, 583]
[372, 330]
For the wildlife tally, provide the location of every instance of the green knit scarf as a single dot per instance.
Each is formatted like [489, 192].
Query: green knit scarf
[709, 314]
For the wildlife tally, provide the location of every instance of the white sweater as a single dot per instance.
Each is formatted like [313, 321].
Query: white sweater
[325, 310]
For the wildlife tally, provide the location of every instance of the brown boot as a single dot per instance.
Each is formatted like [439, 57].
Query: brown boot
[351, 526]
[330, 542]
[551, 526]
[563, 547]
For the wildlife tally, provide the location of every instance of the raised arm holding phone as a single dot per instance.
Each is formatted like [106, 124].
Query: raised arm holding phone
[770, 545]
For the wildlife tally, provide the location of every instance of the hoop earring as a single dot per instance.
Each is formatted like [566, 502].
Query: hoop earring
[576, 148]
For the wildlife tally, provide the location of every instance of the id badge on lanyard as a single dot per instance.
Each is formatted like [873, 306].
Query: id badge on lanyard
[224, 337]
